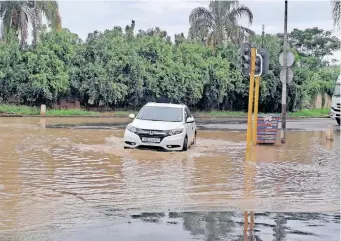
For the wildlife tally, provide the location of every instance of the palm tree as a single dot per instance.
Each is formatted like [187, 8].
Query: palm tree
[17, 15]
[336, 4]
[50, 10]
[219, 23]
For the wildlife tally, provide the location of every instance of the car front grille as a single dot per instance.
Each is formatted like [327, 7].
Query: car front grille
[152, 134]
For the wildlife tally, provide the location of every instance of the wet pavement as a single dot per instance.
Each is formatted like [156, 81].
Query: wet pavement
[80, 184]
[233, 124]
[314, 124]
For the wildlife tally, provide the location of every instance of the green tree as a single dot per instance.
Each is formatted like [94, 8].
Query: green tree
[219, 23]
[217, 84]
[48, 67]
[118, 68]
[10, 73]
[313, 43]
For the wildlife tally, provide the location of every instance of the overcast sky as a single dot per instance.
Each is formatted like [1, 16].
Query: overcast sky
[82, 17]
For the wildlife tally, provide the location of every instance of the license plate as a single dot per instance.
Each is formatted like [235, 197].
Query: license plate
[152, 140]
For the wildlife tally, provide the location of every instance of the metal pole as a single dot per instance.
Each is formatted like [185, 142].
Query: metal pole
[263, 26]
[252, 225]
[251, 88]
[255, 112]
[246, 225]
[285, 63]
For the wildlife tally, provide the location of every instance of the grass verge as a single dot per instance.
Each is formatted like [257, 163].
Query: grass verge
[18, 109]
[71, 112]
[310, 113]
[26, 110]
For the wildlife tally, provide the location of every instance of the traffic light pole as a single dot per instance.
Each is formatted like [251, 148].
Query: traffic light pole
[255, 112]
[251, 88]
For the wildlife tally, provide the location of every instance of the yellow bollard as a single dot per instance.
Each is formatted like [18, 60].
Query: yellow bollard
[252, 83]
[255, 113]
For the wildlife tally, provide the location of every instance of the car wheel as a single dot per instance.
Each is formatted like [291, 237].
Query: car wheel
[185, 145]
[338, 121]
[195, 138]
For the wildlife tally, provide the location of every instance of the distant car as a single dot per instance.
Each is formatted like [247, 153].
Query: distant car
[168, 126]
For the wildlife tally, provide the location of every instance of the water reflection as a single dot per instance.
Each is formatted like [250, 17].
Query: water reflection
[281, 226]
[213, 226]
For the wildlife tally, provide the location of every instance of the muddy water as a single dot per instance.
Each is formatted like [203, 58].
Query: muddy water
[54, 181]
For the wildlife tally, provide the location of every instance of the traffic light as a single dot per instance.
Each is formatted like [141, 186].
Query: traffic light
[246, 58]
[265, 56]
[32, 4]
[258, 65]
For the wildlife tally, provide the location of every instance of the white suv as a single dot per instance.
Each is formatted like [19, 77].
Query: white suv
[169, 126]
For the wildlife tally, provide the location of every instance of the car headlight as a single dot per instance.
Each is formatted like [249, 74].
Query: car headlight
[131, 128]
[176, 131]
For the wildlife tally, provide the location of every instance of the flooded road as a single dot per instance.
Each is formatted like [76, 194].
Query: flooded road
[67, 184]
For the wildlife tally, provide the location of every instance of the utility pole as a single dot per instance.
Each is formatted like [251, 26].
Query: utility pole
[263, 33]
[284, 83]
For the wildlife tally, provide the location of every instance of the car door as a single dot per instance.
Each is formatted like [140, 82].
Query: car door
[189, 126]
[193, 125]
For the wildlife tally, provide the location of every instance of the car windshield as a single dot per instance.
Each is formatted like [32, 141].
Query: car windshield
[158, 113]
[337, 90]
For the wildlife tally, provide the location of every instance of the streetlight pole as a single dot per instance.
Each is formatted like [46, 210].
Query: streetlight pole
[285, 63]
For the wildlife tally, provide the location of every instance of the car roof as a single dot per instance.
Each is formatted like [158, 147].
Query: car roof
[165, 105]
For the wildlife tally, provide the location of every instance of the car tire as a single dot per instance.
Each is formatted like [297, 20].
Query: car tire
[338, 121]
[195, 138]
[185, 145]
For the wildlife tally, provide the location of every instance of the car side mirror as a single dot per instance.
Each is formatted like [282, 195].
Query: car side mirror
[190, 120]
[131, 116]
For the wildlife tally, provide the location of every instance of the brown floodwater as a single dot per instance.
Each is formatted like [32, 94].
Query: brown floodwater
[52, 179]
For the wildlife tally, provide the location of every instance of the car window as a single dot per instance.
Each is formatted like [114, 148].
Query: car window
[188, 112]
[161, 113]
